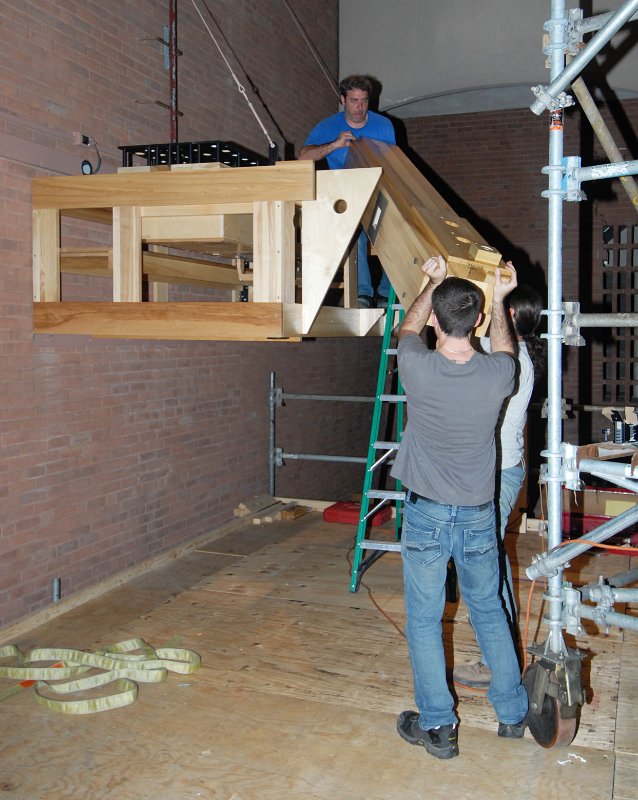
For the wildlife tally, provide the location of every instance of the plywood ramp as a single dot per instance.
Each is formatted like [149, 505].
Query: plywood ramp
[299, 689]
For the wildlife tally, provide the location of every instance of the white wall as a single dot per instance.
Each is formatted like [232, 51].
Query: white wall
[459, 55]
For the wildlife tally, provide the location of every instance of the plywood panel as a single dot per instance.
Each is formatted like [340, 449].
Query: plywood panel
[328, 227]
[297, 697]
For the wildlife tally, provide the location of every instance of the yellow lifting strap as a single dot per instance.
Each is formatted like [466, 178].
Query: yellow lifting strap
[124, 664]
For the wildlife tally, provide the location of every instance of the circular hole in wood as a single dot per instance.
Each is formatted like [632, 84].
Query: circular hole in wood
[340, 206]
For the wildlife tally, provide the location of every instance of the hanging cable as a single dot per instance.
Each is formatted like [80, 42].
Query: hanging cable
[240, 88]
[313, 49]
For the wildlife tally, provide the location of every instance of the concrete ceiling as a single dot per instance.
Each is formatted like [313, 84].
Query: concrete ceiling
[461, 56]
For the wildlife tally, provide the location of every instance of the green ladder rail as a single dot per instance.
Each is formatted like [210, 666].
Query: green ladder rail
[394, 316]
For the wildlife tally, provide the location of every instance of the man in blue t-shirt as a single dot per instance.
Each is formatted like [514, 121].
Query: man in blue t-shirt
[330, 139]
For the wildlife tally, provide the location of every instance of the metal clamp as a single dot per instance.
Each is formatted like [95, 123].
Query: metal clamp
[570, 330]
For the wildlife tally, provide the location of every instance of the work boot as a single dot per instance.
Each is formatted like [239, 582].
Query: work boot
[441, 742]
[515, 731]
[381, 301]
[365, 301]
[475, 675]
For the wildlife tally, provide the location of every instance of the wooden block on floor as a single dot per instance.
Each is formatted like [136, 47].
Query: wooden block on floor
[268, 514]
[254, 504]
[293, 511]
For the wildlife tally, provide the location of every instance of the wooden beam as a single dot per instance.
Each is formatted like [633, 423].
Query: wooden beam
[235, 228]
[213, 209]
[350, 278]
[160, 267]
[127, 254]
[286, 180]
[328, 226]
[172, 321]
[46, 255]
[274, 252]
[410, 221]
[97, 261]
[190, 271]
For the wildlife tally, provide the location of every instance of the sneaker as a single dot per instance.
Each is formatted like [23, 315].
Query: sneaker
[476, 675]
[441, 742]
[365, 301]
[381, 301]
[515, 731]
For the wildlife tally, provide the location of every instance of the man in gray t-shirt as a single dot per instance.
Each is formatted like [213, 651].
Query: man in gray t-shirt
[446, 462]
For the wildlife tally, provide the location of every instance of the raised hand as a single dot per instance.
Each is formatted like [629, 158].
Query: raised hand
[501, 289]
[436, 269]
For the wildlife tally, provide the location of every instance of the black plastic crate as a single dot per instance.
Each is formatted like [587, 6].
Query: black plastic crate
[228, 153]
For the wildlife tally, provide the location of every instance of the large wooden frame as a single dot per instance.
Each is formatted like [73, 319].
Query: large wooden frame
[201, 225]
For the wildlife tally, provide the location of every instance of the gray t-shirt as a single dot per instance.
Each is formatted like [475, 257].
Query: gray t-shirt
[447, 453]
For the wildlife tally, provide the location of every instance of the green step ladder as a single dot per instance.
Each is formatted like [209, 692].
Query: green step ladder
[387, 375]
[387, 378]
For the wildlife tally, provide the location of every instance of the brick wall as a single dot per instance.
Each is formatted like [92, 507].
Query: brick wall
[114, 451]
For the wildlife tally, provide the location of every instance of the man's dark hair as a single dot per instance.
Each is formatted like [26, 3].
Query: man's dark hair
[355, 82]
[457, 303]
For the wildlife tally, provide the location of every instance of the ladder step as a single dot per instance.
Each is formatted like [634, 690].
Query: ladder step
[392, 398]
[368, 544]
[385, 445]
[391, 351]
[383, 494]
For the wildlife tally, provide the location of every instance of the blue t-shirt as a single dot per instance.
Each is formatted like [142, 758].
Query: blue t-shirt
[376, 127]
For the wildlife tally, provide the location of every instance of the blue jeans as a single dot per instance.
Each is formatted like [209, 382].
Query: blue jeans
[510, 480]
[364, 280]
[432, 534]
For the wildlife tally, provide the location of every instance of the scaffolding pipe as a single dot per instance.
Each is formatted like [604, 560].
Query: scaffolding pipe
[550, 563]
[344, 398]
[619, 320]
[563, 77]
[606, 618]
[604, 136]
[621, 579]
[271, 435]
[603, 171]
[320, 457]
[611, 469]
[596, 594]
[622, 483]
[557, 32]
[592, 23]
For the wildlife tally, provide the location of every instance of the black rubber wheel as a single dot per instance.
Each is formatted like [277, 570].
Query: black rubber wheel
[546, 724]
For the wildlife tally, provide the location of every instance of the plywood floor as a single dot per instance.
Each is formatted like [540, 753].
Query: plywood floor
[299, 689]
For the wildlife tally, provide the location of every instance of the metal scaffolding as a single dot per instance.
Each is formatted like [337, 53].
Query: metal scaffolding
[556, 674]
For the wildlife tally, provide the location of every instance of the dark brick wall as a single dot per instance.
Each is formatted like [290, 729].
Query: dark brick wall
[113, 451]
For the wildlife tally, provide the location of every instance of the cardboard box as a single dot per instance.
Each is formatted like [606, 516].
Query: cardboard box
[586, 510]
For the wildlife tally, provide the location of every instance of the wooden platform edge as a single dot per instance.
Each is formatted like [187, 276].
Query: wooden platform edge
[222, 321]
